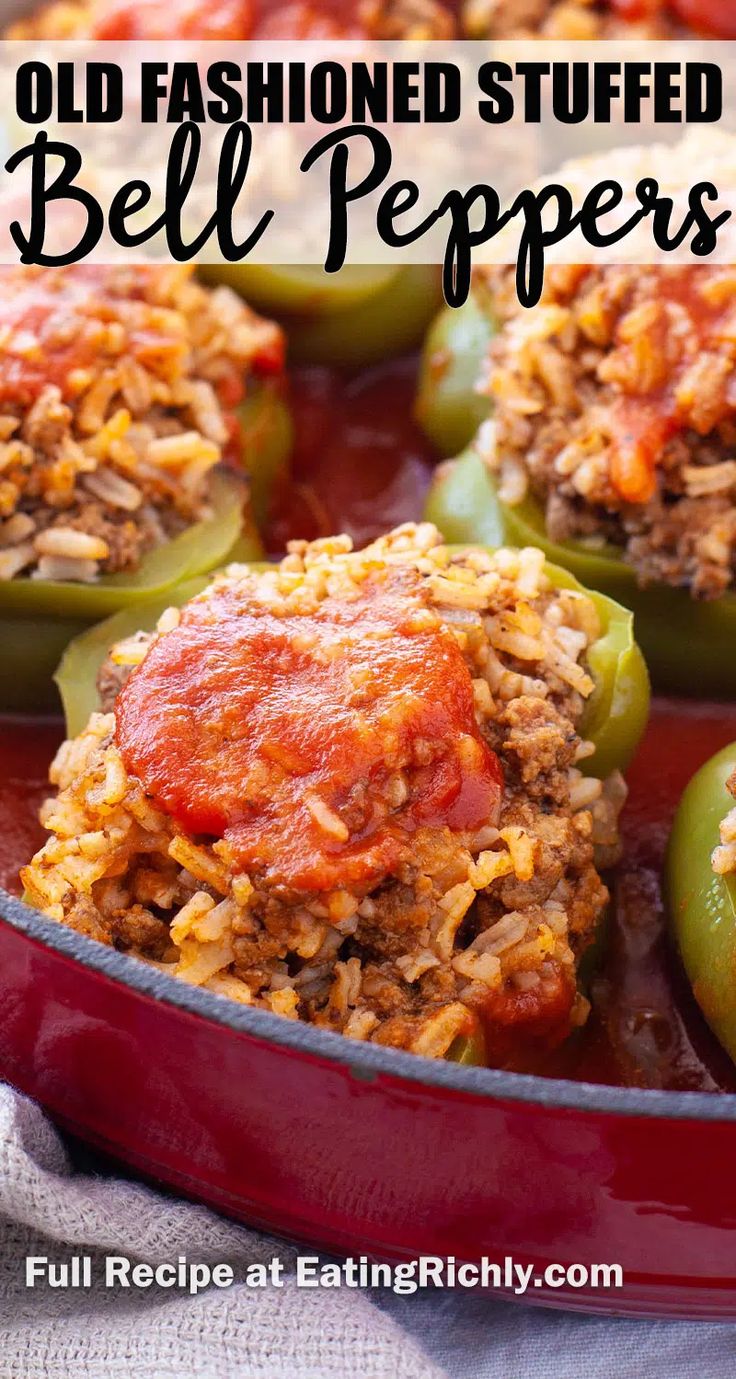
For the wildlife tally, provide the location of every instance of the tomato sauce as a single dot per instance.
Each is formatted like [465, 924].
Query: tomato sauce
[131, 20]
[241, 726]
[644, 1028]
[26, 748]
[361, 464]
[53, 323]
[662, 352]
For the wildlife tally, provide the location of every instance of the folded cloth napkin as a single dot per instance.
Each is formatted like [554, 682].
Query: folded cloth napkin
[46, 1209]
[49, 1209]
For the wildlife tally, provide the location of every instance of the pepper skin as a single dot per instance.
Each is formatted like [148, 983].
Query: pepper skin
[468, 1049]
[702, 905]
[267, 439]
[350, 319]
[687, 643]
[389, 323]
[301, 289]
[448, 408]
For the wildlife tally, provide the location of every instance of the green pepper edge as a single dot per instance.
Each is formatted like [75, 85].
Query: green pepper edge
[267, 433]
[218, 534]
[469, 1049]
[285, 289]
[701, 904]
[616, 714]
[477, 326]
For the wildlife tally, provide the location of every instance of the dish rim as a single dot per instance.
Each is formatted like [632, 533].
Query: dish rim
[366, 1062]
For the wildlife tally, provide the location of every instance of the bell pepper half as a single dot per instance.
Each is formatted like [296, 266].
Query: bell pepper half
[615, 715]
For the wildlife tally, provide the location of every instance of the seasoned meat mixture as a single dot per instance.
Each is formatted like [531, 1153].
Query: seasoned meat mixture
[615, 407]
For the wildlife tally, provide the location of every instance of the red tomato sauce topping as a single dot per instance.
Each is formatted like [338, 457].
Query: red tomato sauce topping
[131, 20]
[693, 315]
[54, 322]
[285, 734]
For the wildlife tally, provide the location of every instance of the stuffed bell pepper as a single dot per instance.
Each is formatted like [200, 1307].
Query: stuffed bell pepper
[132, 403]
[611, 446]
[386, 807]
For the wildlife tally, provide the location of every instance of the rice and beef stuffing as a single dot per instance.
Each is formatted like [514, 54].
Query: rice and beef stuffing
[724, 856]
[350, 789]
[117, 390]
[615, 406]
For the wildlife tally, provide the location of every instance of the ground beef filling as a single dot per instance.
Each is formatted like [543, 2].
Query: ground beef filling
[348, 789]
[316, 744]
[616, 406]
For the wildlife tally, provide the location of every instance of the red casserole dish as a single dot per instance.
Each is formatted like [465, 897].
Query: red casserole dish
[360, 1149]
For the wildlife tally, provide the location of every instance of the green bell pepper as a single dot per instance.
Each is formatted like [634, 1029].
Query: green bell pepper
[267, 433]
[350, 319]
[469, 1049]
[386, 324]
[39, 617]
[301, 289]
[702, 905]
[448, 407]
[687, 643]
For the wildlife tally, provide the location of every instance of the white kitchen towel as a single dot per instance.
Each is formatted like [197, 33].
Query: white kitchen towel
[46, 1208]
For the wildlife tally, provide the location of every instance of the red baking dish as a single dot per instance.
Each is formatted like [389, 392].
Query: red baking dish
[361, 1149]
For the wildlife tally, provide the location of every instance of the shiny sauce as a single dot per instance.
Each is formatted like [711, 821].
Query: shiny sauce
[645, 1029]
[693, 316]
[284, 731]
[54, 326]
